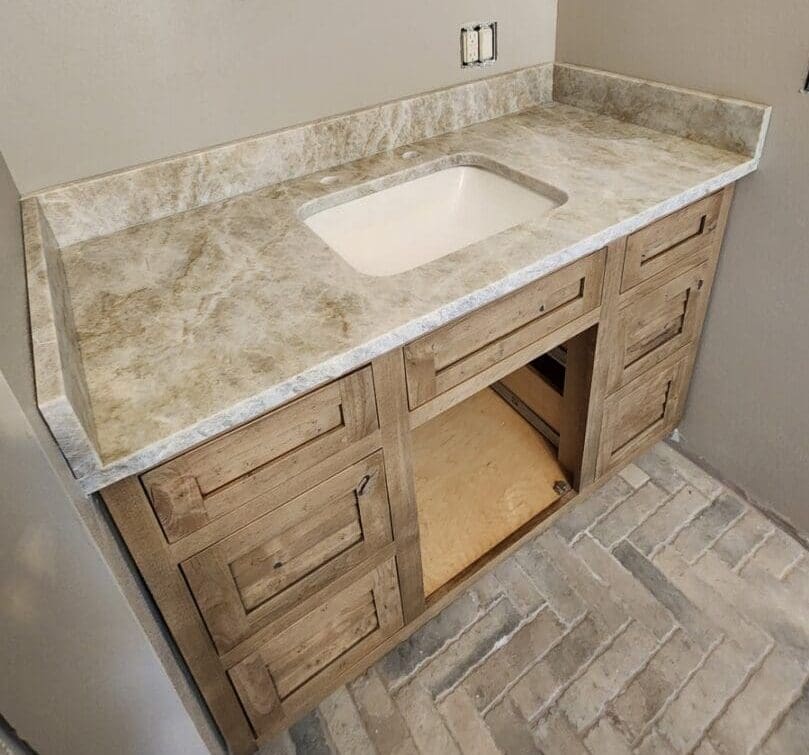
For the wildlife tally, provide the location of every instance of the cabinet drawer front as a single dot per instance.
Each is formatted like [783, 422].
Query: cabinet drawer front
[244, 581]
[670, 240]
[453, 354]
[305, 659]
[658, 324]
[202, 485]
[641, 411]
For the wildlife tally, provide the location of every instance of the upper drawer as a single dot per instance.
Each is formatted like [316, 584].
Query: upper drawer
[204, 484]
[301, 660]
[462, 349]
[270, 565]
[657, 324]
[666, 242]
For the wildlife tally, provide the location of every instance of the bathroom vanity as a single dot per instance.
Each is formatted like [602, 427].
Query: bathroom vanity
[309, 448]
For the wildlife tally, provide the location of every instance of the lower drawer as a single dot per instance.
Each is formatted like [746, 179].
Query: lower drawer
[249, 578]
[641, 411]
[299, 661]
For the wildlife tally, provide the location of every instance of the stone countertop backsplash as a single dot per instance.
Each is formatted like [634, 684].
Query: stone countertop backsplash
[173, 301]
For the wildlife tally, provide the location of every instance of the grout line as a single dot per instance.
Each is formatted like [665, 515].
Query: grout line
[597, 544]
[599, 651]
[513, 683]
[744, 560]
[647, 517]
[751, 670]
[500, 643]
[421, 665]
[604, 514]
[790, 567]
[782, 714]
[715, 540]
[604, 708]
[569, 624]
[677, 530]
[652, 722]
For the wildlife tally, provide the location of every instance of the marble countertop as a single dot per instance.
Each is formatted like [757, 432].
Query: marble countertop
[193, 323]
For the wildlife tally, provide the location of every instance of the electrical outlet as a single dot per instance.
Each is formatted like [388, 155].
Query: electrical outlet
[469, 46]
[478, 44]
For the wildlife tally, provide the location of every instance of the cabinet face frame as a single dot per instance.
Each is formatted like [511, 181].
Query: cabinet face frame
[590, 405]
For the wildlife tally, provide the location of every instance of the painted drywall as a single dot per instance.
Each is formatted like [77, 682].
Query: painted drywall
[92, 87]
[80, 674]
[748, 409]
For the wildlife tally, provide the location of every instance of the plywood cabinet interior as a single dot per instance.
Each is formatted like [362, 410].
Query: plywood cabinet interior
[288, 555]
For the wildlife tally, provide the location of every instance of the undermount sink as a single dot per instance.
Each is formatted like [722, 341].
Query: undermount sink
[424, 217]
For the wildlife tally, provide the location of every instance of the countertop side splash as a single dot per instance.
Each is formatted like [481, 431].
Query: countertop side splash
[526, 119]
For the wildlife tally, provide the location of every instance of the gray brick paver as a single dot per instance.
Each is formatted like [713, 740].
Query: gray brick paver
[684, 634]
[742, 537]
[708, 526]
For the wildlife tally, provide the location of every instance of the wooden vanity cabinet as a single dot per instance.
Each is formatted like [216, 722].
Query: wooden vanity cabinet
[286, 555]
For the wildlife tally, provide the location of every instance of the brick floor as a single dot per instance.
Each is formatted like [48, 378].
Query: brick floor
[662, 615]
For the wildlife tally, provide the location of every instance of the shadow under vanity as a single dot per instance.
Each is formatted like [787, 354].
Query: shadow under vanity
[308, 462]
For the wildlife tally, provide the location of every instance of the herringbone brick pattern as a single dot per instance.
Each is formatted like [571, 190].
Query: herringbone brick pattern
[661, 615]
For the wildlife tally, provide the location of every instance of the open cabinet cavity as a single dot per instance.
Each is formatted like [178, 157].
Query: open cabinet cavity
[487, 470]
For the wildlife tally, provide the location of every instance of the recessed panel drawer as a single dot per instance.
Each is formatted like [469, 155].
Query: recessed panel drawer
[459, 351]
[640, 412]
[244, 581]
[670, 240]
[208, 482]
[302, 660]
[656, 325]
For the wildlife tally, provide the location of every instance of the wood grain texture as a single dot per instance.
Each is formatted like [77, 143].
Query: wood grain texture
[271, 564]
[481, 473]
[457, 352]
[208, 482]
[391, 396]
[680, 235]
[640, 412]
[574, 412]
[314, 650]
[586, 424]
[658, 324]
[502, 369]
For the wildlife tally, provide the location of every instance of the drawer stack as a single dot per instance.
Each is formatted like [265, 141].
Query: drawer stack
[282, 533]
[665, 284]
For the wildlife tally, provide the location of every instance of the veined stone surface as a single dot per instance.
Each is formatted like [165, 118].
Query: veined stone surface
[167, 310]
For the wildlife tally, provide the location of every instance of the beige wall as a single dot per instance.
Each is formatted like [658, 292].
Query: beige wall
[88, 87]
[79, 674]
[748, 411]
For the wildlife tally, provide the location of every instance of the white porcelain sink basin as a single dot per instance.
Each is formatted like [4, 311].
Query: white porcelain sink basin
[416, 221]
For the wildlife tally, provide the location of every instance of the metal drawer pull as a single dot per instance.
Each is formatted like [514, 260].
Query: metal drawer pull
[363, 484]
